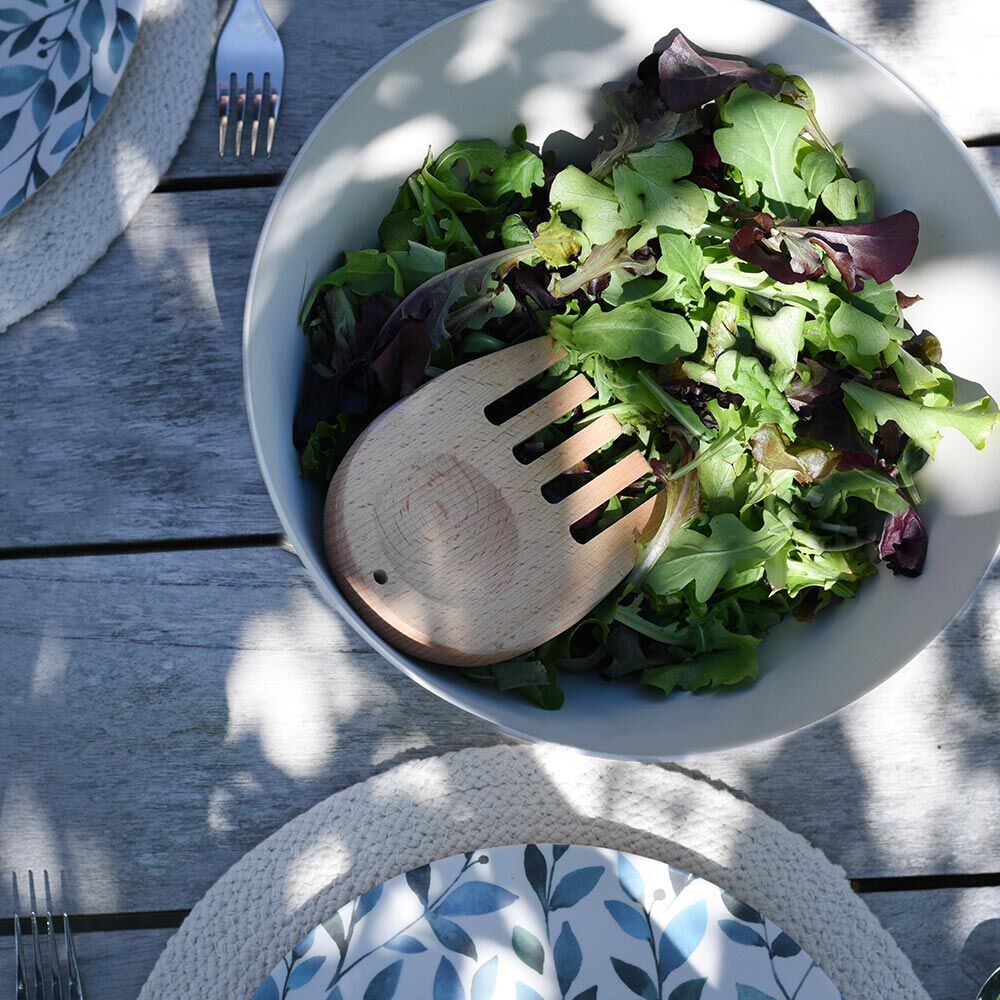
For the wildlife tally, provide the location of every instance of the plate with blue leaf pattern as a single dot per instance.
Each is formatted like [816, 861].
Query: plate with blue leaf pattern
[60, 62]
[547, 922]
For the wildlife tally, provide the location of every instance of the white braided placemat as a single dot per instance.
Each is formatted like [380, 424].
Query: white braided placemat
[69, 224]
[430, 809]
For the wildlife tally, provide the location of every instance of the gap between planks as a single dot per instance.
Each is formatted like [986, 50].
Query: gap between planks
[145, 920]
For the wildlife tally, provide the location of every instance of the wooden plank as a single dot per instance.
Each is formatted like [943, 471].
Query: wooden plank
[944, 49]
[171, 710]
[122, 403]
[952, 936]
[113, 964]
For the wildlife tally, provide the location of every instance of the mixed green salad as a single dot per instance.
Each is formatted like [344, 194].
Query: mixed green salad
[722, 276]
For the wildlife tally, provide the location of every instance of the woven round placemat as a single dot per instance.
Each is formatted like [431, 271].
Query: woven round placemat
[61, 231]
[425, 810]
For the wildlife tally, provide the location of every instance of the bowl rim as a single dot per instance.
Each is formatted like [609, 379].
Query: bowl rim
[399, 660]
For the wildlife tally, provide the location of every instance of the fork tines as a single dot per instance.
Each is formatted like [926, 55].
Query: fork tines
[39, 960]
[249, 76]
[260, 109]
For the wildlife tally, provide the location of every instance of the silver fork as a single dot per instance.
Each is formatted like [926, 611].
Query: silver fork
[249, 60]
[74, 986]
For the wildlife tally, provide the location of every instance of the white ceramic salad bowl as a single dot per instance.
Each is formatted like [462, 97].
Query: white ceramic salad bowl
[543, 63]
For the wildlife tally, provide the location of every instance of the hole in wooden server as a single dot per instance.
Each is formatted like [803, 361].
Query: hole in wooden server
[381, 576]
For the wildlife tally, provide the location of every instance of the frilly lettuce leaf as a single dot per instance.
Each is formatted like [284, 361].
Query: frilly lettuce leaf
[870, 409]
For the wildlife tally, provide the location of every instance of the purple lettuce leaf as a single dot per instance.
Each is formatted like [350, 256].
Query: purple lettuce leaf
[903, 545]
[688, 78]
[878, 250]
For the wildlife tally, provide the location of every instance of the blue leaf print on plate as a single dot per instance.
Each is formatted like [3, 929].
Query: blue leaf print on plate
[92, 24]
[69, 55]
[484, 982]
[473, 899]
[25, 38]
[744, 992]
[528, 948]
[558, 850]
[303, 972]
[691, 990]
[630, 880]
[14, 16]
[70, 137]
[522, 992]
[335, 928]
[42, 104]
[447, 985]
[7, 125]
[741, 934]
[568, 958]
[636, 979]
[587, 994]
[681, 937]
[536, 871]
[367, 902]
[335, 994]
[268, 990]
[304, 945]
[451, 935]
[75, 93]
[419, 881]
[629, 919]
[740, 910]
[128, 24]
[17, 79]
[383, 986]
[405, 943]
[575, 886]
[784, 947]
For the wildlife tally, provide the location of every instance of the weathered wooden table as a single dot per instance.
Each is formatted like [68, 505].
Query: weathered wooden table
[173, 688]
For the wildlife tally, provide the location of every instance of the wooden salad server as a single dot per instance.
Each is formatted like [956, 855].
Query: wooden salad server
[442, 540]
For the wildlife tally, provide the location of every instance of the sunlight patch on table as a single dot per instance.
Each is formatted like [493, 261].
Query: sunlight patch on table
[277, 696]
[50, 667]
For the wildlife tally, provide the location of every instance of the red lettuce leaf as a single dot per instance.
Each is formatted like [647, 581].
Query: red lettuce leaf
[688, 78]
[903, 545]
[878, 250]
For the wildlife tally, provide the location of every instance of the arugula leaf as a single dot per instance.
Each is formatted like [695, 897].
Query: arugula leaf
[760, 142]
[719, 669]
[736, 372]
[849, 200]
[595, 203]
[638, 330]
[782, 335]
[517, 173]
[651, 193]
[684, 261]
[870, 409]
[703, 560]
[831, 495]
[818, 170]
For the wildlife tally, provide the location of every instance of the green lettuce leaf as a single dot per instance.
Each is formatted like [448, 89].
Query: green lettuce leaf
[705, 559]
[761, 143]
[638, 330]
[595, 203]
[649, 188]
[870, 409]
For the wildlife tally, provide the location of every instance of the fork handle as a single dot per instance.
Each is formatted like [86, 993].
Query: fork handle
[250, 18]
